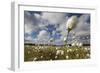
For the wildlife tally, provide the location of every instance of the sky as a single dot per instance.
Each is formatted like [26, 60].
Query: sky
[40, 27]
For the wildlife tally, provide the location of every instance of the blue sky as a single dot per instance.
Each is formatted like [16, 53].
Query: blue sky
[41, 26]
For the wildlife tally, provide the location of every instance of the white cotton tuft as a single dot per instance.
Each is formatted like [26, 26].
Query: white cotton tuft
[71, 23]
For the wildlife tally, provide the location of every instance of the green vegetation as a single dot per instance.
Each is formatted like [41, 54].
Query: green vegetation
[44, 53]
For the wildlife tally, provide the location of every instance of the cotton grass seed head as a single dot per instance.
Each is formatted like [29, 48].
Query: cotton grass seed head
[62, 52]
[73, 44]
[71, 23]
[88, 55]
[80, 44]
[86, 48]
[41, 56]
[57, 48]
[68, 51]
[35, 59]
[65, 39]
[28, 52]
[67, 56]
[77, 55]
[59, 52]
[56, 57]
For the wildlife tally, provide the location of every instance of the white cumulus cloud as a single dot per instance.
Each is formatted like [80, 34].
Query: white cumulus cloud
[53, 18]
[43, 35]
